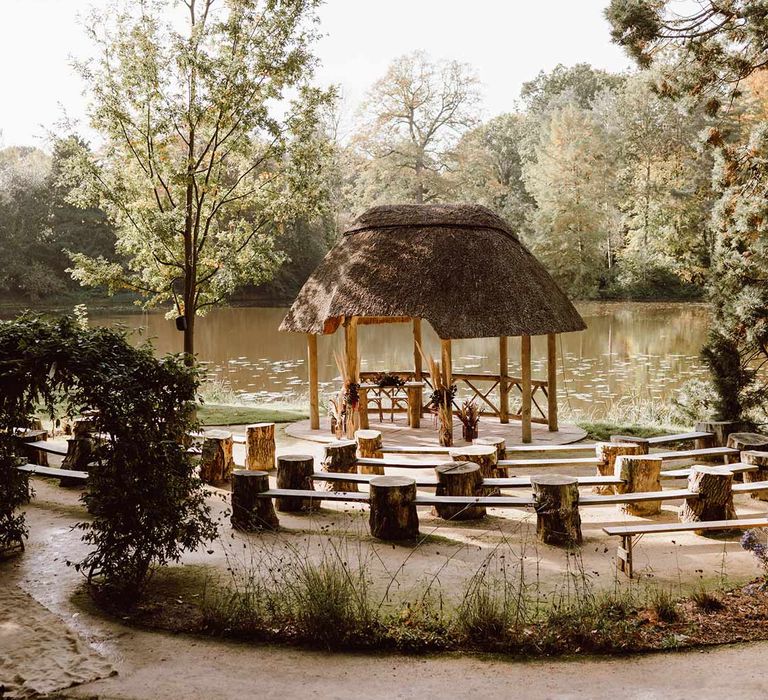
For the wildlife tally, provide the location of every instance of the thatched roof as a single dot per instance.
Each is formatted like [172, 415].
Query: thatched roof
[459, 267]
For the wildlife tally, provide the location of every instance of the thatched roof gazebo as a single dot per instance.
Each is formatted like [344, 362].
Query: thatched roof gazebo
[459, 267]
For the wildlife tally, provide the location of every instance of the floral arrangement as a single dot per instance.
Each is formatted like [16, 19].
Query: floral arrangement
[469, 415]
[345, 408]
[385, 379]
[441, 400]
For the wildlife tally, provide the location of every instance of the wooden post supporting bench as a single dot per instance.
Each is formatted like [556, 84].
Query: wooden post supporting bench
[369, 446]
[33, 454]
[714, 496]
[486, 457]
[393, 514]
[556, 501]
[341, 457]
[260, 446]
[249, 512]
[607, 452]
[719, 431]
[500, 444]
[459, 479]
[295, 472]
[760, 460]
[639, 474]
[216, 461]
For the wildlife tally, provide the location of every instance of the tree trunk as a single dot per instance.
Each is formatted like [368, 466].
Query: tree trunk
[485, 457]
[260, 446]
[341, 457]
[393, 509]
[249, 512]
[459, 479]
[715, 499]
[83, 427]
[216, 461]
[79, 455]
[607, 452]
[295, 472]
[640, 473]
[556, 500]
[369, 447]
[759, 459]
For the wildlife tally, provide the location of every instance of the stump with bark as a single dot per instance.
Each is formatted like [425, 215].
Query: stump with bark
[260, 446]
[639, 474]
[295, 472]
[341, 457]
[83, 426]
[369, 446]
[556, 500]
[34, 455]
[459, 479]
[760, 460]
[486, 457]
[607, 452]
[393, 514]
[720, 430]
[748, 441]
[80, 453]
[497, 442]
[714, 501]
[216, 461]
[629, 440]
[249, 512]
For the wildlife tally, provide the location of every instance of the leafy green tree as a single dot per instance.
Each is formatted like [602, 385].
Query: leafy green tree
[571, 180]
[413, 118]
[718, 45]
[205, 157]
[487, 169]
[579, 84]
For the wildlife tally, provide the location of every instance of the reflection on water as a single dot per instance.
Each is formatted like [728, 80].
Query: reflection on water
[629, 350]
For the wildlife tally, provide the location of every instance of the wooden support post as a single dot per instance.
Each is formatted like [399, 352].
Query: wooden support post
[639, 474]
[363, 399]
[499, 443]
[369, 446]
[607, 452]
[459, 479]
[314, 396]
[295, 472]
[260, 447]
[350, 339]
[720, 429]
[341, 457]
[503, 379]
[760, 460]
[624, 555]
[556, 499]
[417, 344]
[486, 457]
[249, 512]
[216, 461]
[552, 382]
[525, 370]
[393, 508]
[33, 454]
[446, 352]
[415, 405]
[714, 497]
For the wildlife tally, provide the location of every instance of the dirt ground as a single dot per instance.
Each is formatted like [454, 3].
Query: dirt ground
[154, 665]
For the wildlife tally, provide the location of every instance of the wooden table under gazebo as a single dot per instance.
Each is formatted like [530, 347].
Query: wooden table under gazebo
[458, 267]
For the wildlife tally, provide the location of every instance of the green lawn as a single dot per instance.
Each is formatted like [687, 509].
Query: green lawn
[220, 414]
[602, 430]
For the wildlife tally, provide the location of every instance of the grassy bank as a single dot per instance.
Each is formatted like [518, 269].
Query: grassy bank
[225, 414]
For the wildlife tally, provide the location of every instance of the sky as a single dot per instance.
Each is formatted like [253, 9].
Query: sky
[506, 41]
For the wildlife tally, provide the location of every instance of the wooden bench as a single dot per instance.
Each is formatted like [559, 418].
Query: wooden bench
[676, 455]
[628, 533]
[428, 481]
[53, 448]
[53, 471]
[514, 449]
[661, 439]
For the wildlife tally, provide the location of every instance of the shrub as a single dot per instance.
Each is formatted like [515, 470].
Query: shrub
[147, 503]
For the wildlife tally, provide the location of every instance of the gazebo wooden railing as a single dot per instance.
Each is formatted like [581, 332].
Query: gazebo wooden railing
[492, 396]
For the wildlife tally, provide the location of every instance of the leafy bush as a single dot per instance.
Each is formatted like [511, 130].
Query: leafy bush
[147, 504]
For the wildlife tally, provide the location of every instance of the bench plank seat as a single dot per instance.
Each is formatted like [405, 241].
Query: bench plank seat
[53, 471]
[54, 448]
[651, 528]
[509, 482]
[613, 499]
[490, 501]
[674, 455]
[661, 439]
[736, 468]
[319, 495]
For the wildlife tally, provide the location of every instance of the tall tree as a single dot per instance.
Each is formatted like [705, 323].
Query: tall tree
[413, 117]
[203, 158]
[571, 180]
[578, 84]
[719, 45]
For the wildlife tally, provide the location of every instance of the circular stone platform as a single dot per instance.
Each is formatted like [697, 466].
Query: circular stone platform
[398, 433]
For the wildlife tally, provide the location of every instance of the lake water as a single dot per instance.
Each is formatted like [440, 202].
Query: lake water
[631, 351]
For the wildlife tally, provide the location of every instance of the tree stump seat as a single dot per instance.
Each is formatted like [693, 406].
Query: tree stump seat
[459, 479]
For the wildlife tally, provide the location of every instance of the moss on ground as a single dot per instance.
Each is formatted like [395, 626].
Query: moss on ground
[602, 430]
[222, 414]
